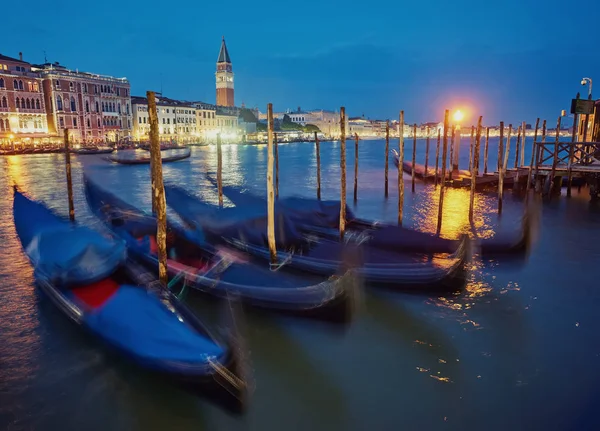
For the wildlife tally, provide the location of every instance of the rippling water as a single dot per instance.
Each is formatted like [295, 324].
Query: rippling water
[518, 349]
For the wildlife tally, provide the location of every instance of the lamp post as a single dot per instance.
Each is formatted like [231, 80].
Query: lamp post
[588, 81]
[457, 117]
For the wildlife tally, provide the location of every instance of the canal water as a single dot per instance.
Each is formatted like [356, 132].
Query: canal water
[517, 349]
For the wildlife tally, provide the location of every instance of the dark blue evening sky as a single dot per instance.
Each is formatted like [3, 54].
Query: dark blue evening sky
[510, 60]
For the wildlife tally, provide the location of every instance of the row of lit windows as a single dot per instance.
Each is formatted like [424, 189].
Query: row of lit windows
[105, 122]
[102, 88]
[106, 107]
[4, 127]
[18, 85]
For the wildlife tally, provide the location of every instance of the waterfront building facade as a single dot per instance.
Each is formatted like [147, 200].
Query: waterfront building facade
[224, 78]
[95, 108]
[22, 105]
[177, 120]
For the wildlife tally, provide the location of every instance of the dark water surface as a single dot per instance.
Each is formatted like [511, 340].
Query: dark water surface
[518, 349]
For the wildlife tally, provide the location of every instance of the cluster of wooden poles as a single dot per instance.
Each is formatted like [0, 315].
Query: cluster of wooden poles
[158, 193]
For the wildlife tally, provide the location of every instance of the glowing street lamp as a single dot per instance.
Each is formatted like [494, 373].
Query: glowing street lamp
[588, 81]
[458, 116]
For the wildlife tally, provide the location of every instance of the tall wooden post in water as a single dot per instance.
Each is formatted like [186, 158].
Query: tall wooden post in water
[485, 150]
[343, 172]
[318, 151]
[523, 130]
[437, 158]
[69, 179]
[276, 165]
[427, 151]
[387, 153]
[270, 193]
[533, 152]
[219, 170]
[500, 170]
[443, 180]
[400, 170]
[355, 167]
[475, 169]
[414, 157]
[471, 143]
[158, 190]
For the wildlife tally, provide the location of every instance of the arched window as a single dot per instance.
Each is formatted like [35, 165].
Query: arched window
[18, 103]
[97, 110]
[37, 103]
[28, 104]
[71, 86]
[4, 102]
[98, 122]
[87, 106]
[102, 106]
[15, 85]
[59, 103]
[22, 103]
[89, 123]
[114, 108]
[6, 125]
[1, 84]
[119, 108]
[127, 109]
[20, 85]
[73, 105]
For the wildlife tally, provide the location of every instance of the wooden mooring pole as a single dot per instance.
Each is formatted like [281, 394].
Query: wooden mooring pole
[219, 170]
[475, 169]
[270, 192]
[427, 151]
[437, 158]
[387, 153]
[400, 170]
[500, 170]
[524, 134]
[343, 172]
[69, 178]
[443, 180]
[158, 190]
[518, 149]
[550, 184]
[571, 154]
[355, 167]
[451, 153]
[318, 151]
[539, 152]
[485, 149]
[533, 152]
[414, 157]
[276, 165]
[471, 145]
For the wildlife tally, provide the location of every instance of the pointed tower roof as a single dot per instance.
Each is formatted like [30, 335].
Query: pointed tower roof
[223, 54]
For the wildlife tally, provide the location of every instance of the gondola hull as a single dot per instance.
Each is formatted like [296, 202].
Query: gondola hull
[146, 160]
[102, 283]
[224, 272]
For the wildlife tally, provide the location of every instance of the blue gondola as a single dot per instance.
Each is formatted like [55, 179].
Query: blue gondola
[221, 271]
[245, 228]
[322, 218]
[91, 280]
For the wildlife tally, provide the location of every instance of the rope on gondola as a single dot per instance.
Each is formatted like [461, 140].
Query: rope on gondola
[276, 266]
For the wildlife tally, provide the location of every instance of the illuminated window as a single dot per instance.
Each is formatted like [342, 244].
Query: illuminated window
[30, 86]
[1, 83]
[36, 87]
[59, 106]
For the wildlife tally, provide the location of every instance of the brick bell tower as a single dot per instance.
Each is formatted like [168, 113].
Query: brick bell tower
[224, 77]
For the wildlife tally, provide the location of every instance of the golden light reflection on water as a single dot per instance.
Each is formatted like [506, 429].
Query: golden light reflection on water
[455, 213]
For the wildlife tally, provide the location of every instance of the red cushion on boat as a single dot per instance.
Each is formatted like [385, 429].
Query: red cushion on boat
[96, 294]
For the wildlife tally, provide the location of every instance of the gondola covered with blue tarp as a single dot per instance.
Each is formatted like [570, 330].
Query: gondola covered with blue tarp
[89, 277]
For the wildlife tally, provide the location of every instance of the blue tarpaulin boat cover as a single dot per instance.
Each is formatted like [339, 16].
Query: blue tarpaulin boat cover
[74, 255]
[137, 321]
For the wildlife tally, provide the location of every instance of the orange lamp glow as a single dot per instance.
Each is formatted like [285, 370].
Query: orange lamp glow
[458, 116]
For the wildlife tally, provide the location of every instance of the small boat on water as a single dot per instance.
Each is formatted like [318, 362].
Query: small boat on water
[245, 229]
[221, 271]
[146, 159]
[93, 283]
[93, 150]
[322, 218]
